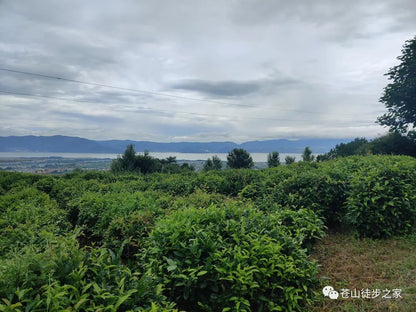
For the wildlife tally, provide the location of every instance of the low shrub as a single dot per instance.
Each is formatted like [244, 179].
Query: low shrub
[237, 179]
[62, 277]
[174, 184]
[24, 214]
[212, 181]
[96, 211]
[320, 191]
[302, 224]
[382, 200]
[197, 199]
[131, 230]
[229, 258]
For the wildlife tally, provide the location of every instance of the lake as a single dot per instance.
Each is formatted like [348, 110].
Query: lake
[257, 157]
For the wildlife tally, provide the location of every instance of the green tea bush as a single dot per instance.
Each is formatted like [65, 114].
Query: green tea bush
[96, 211]
[66, 191]
[229, 258]
[227, 182]
[212, 181]
[382, 200]
[24, 214]
[302, 224]
[62, 277]
[237, 179]
[16, 180]
[99, 176]
[32, 266]
[46, 184]
[131, 230]
[323, 192]
[197, 199]
[174, 184]
[118, 186]
[114, 217]
[253, 191]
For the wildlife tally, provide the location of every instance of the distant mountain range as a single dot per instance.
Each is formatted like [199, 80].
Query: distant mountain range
[66, 144]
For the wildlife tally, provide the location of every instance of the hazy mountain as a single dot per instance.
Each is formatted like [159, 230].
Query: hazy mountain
[66, 144]
[56, 143]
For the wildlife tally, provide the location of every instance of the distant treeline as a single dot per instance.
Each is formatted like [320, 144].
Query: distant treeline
[130, 162]
[238, 158]
[392, 143]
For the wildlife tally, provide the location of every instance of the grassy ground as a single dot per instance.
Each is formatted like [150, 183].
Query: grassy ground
[351, 263]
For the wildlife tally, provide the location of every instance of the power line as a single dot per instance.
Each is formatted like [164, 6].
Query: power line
[44, 96]
[147, 92]
[22, 94]
[119, 88]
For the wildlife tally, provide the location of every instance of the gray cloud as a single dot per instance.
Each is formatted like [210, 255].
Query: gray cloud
[87, 117]
[208, 70]
[218, 88]
[234, 88]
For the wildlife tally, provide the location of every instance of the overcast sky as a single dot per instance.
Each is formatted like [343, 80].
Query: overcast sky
[198, 70]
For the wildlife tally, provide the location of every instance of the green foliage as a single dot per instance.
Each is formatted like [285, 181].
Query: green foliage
[239, 158]
[382, 200]
[359, 146]
[307, 154]
[236, 180]
[321, 191]
[198, 199]
[14, 180]
[273, 159]
[233, 239]
[212, 182]
[399, 96]
[303, 224]
[252, 191]
[393, 143]
[24, 215]
[102, 213]
[145, 164]
[61, 276]
[290, 160]
[213, 163]
[127, 162]
[229, 258]
[174, 184]
[130, 230]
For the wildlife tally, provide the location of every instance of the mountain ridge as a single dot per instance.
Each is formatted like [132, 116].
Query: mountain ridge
[69, 144]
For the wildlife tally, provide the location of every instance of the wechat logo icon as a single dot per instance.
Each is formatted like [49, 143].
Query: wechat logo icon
[329, 291]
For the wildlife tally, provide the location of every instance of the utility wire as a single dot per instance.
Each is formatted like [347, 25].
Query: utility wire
[119, 88]
[21, 94]
[147, 92]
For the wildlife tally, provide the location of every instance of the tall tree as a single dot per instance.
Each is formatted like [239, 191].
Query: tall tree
[393, 143]
[127, 162]
[290, 160]
[359, 146]
[239, 158]
[213, 163]
[273, 159]
[147, 164]
[399, 96]
[307, 154]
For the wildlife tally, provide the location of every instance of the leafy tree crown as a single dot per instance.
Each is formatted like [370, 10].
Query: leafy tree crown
[399, 95]
[239, 158]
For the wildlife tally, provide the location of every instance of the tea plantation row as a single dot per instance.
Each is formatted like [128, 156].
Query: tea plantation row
[233, 240]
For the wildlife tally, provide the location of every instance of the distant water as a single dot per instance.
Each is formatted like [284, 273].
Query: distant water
[257, 157]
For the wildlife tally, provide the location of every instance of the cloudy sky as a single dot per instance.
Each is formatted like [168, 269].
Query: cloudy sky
[198, 70]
